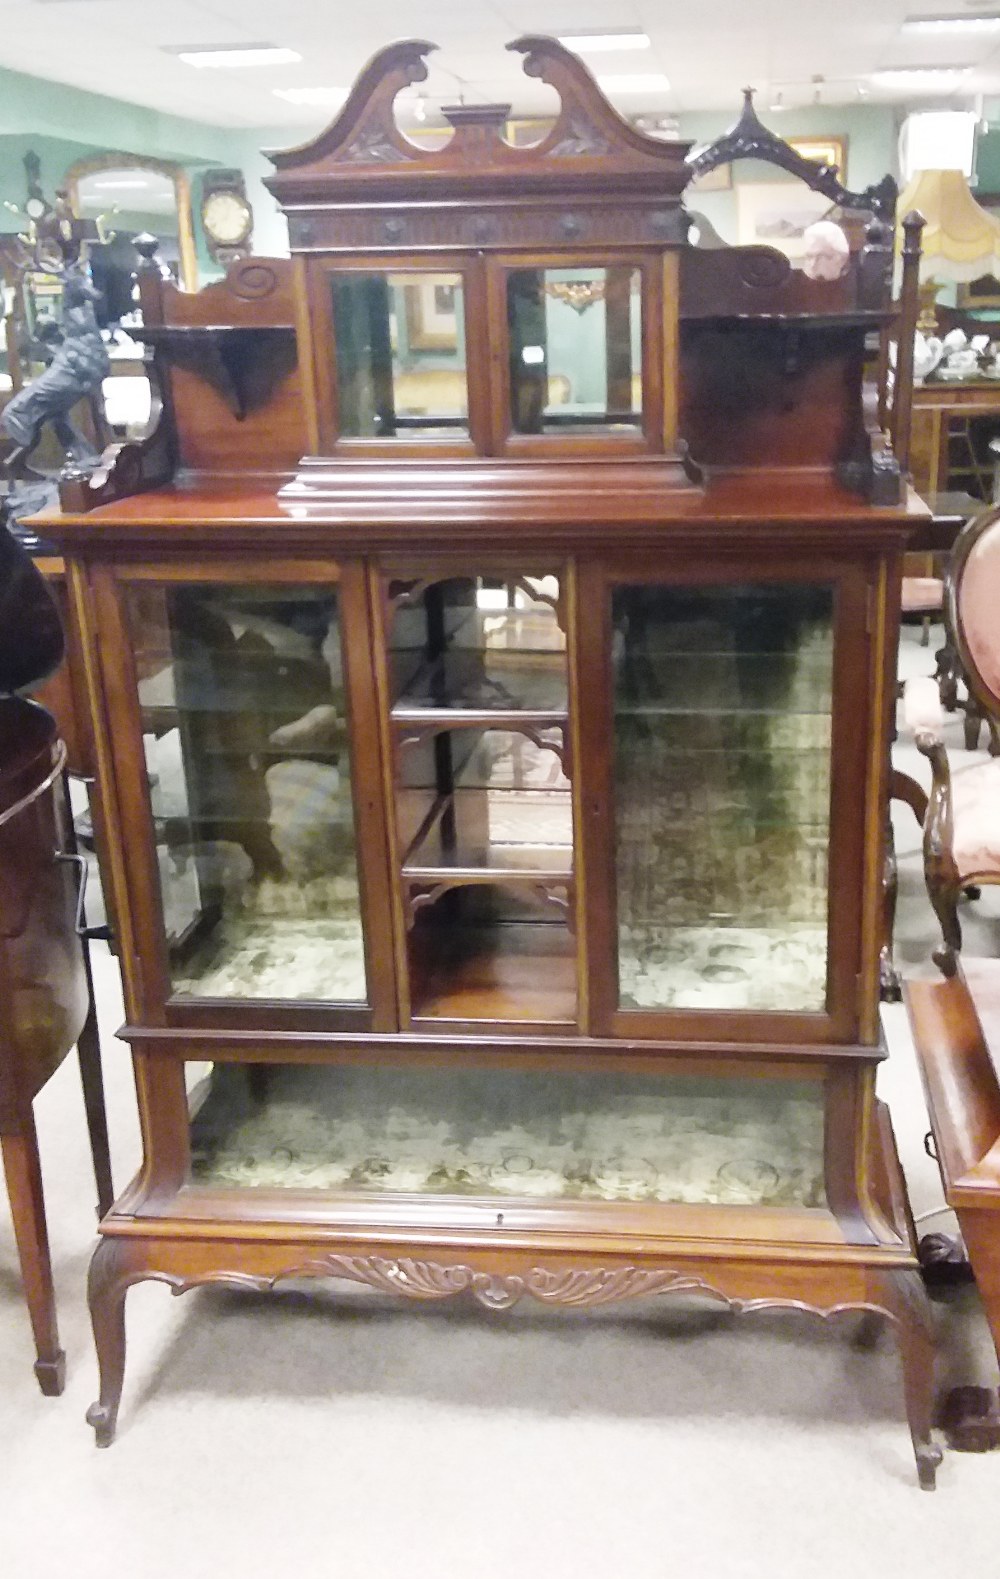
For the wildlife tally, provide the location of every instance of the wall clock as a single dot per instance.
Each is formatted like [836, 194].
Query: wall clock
[226, 215]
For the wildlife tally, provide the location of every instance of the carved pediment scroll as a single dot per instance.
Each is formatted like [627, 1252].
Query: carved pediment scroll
[365, 148]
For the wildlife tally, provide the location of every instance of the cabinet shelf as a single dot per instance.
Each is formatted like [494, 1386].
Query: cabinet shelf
[510, 971]
[455, 841]
[488, 685]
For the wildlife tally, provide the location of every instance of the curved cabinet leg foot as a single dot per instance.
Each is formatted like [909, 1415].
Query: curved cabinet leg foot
[106, 1289]
[27, 1207]
[904, 1297]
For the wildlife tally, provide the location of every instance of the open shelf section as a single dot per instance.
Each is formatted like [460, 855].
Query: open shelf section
[477, 644]
[472, 834]
[507, 971]
[473, 682]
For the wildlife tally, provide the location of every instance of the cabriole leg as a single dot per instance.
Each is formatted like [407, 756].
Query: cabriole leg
[106, 1289]
[905, 1298]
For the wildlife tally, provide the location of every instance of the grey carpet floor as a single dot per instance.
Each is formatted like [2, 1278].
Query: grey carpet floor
[335, 1434]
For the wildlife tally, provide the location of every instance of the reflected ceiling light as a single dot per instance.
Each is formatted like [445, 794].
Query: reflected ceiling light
[640, 82]
[919, 76]
[238, 55]
[604, 43]
[951, 24]
[311, 95]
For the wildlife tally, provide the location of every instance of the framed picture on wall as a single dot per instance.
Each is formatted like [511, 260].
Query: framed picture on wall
[822, 150]
[432, 314]
[777, 214]
[718, 180]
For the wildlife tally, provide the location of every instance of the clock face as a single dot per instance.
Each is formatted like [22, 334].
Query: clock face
[35, 207]
[227, 218]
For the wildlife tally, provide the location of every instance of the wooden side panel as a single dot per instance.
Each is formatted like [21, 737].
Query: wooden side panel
[269, 437]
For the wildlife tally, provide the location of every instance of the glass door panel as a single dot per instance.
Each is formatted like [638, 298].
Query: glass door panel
[722, 739]
[245, 732]
[512, 1135]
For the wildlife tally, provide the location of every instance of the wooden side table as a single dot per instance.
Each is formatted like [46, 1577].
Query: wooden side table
[46, 997]
[936, 407]
[956, 1028]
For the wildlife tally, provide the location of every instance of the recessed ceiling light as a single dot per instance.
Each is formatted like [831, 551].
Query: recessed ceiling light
[640, 82]
[604, 43]
[951, 24]
[311, 95]
[238, 55]
[919, 76]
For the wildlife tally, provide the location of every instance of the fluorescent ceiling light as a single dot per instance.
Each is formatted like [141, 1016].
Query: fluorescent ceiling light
[919, 76]
[640, 82]
[240, 55]
[311, 95]
[951, 24]
[603, 43]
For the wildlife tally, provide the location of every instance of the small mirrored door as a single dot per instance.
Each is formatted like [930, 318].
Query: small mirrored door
[245, 714]
[575, 349]
[399, 341]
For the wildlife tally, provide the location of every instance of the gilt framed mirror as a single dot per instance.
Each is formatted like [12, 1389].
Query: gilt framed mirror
[137, 193]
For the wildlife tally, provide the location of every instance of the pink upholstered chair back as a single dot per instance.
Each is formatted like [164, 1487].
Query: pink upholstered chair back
[973, 601]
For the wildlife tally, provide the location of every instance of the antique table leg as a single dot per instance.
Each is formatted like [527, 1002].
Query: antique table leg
[88, 1050]
[27, 1205]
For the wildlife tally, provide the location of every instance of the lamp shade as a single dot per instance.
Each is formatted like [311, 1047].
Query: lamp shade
[961, 241]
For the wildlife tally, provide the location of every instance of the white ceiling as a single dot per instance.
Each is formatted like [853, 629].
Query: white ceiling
[708, 48]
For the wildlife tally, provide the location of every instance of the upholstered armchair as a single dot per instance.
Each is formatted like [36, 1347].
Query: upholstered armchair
[962, 820]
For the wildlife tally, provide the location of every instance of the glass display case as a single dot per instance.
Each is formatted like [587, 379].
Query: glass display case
[502, 794]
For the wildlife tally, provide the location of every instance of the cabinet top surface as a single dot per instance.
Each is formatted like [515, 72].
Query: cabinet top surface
[584, 500]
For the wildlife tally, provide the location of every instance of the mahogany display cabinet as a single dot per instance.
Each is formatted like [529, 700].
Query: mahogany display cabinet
[497, 793]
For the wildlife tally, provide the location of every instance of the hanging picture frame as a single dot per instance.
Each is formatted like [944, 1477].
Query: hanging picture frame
[823, 150]
[777, 214]
[432, 313]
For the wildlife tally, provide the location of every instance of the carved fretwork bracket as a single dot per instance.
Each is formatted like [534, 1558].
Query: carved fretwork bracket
[546, 893]
[243, 364]
[749, 138]
[127, 467]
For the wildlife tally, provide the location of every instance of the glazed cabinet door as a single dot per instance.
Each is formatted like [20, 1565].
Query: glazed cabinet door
[726, 753]
[248, 780]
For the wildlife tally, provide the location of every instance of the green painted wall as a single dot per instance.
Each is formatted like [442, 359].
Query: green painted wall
[48, 117]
